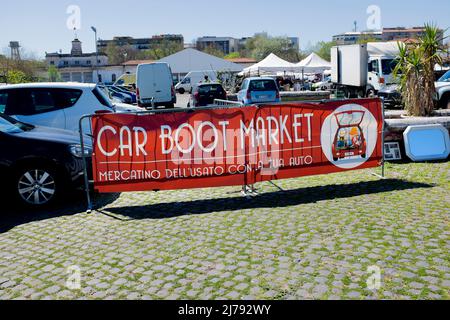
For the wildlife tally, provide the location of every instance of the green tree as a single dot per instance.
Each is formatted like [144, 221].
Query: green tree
[53, 74]
[415, 70]
[233, 55]
[261, 45]
[161, 50]
[17, 76]
[12, 71]
[323, 49]
[214, 51]
[119, 54]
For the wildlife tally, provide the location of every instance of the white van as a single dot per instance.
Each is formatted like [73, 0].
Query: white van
[193, 78]
[155, 86]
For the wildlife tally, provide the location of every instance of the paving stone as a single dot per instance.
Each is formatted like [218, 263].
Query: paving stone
[53, 289]
[416, 285]
[180, 243]
[7, 284]
[233, 295]
[354, 295]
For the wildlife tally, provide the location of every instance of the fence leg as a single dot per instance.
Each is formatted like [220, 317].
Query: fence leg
[383, 162]
[85, 172]
[276, 186]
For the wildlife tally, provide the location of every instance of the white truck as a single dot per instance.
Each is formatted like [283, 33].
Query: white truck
[361, 70]
[443, 91]
[155, 86]
[193, 78]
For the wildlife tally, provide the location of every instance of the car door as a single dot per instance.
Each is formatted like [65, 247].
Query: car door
[242, 92]
[67, 100]
[162, 83]
[35, 106]
[374, 74]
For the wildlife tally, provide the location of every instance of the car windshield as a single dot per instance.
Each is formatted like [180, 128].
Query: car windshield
[445, 77]
[102, 97]
[350, 118]
[9, 125]
[215, 88]
[263, 85]
[388, 66]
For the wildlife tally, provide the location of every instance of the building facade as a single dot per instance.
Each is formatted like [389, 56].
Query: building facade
[229, 45]
[354, 37]
[294, 43]
[77, 66]
[141, 44]
[387, 34]
[225, 44]
[392, 34]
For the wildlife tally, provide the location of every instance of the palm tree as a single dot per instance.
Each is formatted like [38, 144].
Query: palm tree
[415, 70]
[408, 70]
[432, 48]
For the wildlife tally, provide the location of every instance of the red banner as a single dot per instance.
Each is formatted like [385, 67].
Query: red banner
[234, 146]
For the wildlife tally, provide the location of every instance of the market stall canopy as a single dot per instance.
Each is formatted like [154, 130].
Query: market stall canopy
[189, 60]
[313, 64]
[271, 64]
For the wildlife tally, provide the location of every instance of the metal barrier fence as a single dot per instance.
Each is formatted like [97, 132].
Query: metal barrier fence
[218, 104]
[221, 103]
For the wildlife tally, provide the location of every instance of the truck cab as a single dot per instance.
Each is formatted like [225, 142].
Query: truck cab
[443, 91]
[380, 73]
[362, 70]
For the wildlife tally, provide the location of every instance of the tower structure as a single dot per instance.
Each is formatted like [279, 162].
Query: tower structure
[15, 50]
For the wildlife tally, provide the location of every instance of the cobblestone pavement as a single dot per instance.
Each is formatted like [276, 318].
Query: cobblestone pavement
[315, 240]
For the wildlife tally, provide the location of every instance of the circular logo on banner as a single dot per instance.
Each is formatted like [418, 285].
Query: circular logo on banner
[349, 136]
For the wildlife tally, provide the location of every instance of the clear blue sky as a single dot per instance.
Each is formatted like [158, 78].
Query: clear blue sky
[41, 25]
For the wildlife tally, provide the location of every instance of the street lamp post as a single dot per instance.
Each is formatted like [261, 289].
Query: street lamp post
[96, 52]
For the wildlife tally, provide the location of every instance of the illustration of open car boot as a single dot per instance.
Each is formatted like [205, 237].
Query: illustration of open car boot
[349, 140]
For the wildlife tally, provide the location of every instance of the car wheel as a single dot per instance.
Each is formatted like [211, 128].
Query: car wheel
[445, 101]
[37, 186]
[370, 93]
[348, 94]
[181, 91]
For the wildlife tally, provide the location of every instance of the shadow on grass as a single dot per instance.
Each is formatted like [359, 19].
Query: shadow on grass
[266, 200]
[13, 215]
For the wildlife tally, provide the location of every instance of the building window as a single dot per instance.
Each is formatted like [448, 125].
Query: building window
[113, 77]
[52, 63]
[66, 63]
[100, 78]
[88, 62]
[77, 62]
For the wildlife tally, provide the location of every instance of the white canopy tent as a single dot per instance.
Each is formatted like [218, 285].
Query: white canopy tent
[189, 60]
[272, 64]
[313, 64]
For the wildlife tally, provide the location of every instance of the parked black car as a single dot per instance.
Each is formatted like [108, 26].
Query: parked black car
[205, 94]
[392, 96]
[38, 165]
